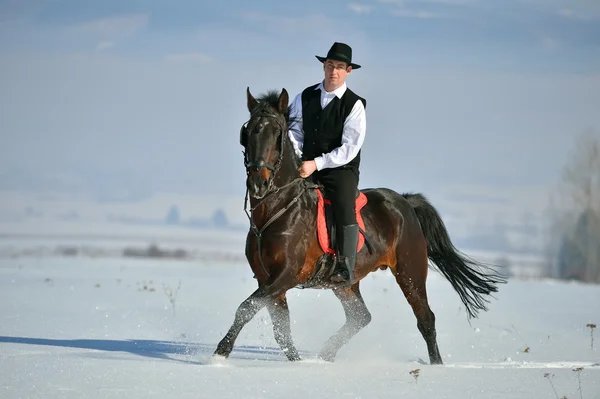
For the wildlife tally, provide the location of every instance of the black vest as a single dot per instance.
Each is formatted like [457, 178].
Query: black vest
[323, 128]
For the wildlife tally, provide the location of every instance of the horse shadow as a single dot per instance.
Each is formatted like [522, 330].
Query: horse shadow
[179, 351]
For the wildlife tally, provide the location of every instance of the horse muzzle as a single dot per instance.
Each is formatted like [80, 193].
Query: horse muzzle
[260, 178]
[258, 186]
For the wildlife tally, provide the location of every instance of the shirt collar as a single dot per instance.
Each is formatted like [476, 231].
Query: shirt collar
[339, 92]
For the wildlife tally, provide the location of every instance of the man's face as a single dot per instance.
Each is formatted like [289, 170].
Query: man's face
[335, 73]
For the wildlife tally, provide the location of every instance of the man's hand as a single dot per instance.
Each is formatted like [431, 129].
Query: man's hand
[307, 168]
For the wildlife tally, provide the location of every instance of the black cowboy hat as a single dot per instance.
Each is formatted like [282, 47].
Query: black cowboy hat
[340, 52]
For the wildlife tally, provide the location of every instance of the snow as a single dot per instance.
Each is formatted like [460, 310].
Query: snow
[105, 328]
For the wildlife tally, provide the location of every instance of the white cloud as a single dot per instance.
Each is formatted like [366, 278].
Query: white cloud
[360, 8]
[115, 26]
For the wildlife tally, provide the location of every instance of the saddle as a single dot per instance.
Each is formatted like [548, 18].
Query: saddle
[326, 234]
[326, 229]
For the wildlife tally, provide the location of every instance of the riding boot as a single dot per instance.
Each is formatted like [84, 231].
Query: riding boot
[346, 259]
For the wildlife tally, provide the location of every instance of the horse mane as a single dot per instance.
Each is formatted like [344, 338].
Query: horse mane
[271, 97]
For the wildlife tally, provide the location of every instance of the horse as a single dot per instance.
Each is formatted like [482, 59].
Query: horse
[284, 246]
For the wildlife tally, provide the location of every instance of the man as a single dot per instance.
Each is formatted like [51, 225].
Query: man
[327, 130]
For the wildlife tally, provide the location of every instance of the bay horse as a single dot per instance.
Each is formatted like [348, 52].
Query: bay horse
[401, 232]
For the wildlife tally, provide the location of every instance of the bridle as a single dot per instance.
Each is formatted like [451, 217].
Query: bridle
[261, 112]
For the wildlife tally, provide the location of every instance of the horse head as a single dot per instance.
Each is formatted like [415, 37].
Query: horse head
[264, 137]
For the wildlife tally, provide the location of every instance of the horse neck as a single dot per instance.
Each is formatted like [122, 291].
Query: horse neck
[288, 171]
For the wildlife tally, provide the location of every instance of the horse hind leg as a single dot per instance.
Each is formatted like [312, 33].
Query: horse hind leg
[280, 316]
[357, 317]
[411, 278]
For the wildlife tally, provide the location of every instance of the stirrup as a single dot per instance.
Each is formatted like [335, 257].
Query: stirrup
[341, 272]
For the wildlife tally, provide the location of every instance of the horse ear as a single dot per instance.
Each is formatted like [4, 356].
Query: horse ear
[252, 103]
[283, 101]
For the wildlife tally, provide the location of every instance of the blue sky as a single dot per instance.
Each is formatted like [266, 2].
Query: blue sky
[135, 97]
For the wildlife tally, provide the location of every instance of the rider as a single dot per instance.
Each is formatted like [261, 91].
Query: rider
[327, 130]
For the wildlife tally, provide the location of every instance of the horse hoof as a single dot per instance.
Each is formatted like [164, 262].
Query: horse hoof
[327, 357]
[222, 352]
[217, 360]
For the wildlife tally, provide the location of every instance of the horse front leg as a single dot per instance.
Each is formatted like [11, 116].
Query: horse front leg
[280, 316]
[357, 317]
[245, 312]
[265, 295]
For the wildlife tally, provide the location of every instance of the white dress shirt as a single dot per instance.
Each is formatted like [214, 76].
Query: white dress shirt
[353, 135]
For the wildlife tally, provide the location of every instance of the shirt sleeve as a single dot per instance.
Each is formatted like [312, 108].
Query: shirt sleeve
[353, 136]
[295, 126]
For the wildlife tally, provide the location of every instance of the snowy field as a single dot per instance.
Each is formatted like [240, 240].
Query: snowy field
[107, 328]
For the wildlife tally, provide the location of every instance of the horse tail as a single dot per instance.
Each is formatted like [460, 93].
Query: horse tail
[470, 279]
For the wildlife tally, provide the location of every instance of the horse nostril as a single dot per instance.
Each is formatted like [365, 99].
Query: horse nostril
[265, 183]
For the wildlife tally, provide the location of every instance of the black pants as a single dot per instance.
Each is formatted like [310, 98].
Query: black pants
[341, 188]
